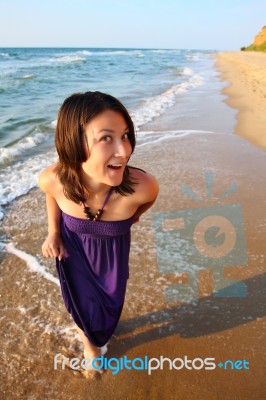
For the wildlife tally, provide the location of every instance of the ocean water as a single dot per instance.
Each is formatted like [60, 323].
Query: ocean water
[35, 81]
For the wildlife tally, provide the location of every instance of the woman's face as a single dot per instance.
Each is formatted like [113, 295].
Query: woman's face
[108, 148]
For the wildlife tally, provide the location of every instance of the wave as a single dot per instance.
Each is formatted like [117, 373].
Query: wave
[193, 57]
[157, 105]
[137, 53]
[133, 52]
[18, 179]
[165, 51]
[111, 52]
[146, 138]
[27, 76]
[40, 62]
[159, 51]
[8, 154]
[66, 59]
[85, 52]
[187, 71]
[54, 123]
[3, 54]
[31, 261]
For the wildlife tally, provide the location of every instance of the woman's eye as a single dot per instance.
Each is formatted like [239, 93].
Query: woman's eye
[105, 138]
[126, 135]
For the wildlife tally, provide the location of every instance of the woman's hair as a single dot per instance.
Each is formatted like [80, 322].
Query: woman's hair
[77, 111]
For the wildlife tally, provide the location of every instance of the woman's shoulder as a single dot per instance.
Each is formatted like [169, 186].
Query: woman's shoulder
[147, 187]
[48, 180]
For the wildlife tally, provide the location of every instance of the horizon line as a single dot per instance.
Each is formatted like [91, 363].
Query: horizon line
[111, 47]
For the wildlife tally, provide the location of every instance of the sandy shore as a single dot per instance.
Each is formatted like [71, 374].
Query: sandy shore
[229, 328]
[36, 325]
[246, 72]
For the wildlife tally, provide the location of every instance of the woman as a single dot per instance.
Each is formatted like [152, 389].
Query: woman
[93, 198]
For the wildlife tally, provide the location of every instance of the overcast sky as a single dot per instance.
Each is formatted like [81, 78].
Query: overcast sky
[178, 24]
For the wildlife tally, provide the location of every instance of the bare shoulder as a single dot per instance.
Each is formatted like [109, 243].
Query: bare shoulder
[48, 181]
[147, 187]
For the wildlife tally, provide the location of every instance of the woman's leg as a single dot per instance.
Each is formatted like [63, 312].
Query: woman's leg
[90, 351]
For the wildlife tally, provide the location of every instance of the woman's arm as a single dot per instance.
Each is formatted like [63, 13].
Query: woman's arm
[53, 245]
[149, 189]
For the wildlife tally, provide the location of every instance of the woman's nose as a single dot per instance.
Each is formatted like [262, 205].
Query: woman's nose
[120, 149]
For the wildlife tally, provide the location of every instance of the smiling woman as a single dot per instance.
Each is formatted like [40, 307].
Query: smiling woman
[80, 129]
[94, 139]
[108, 149]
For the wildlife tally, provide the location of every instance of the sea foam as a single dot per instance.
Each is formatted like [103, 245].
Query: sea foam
[153, 107]
[20, 178]
[32, 262]
[9, 153]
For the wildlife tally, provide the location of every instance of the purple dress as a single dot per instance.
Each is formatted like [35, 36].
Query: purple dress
[93, 274]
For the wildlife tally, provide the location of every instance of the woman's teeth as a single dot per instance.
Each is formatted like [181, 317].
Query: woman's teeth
[115, 166]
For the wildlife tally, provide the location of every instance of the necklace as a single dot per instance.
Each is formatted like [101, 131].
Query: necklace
[99, 213]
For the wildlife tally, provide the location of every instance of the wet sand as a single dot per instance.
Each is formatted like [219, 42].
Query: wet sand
[36, 326]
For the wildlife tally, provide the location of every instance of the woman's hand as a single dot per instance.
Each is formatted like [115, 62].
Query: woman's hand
[53, 246]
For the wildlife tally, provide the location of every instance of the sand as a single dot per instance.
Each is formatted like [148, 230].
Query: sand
[223, 328]
[246, 73]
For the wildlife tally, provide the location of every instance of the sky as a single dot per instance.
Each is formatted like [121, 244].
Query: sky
[170, 24]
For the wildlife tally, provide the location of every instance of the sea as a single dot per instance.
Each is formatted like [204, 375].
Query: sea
[35, 81]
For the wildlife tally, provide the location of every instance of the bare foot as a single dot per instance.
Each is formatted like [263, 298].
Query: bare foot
[93, 366]
[90, 353]
[104, 349]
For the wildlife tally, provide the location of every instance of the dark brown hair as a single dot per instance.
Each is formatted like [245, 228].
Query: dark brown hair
[77, 111]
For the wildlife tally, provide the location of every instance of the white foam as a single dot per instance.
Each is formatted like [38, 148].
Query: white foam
[18, 179]
[67, 59]
[193, 57]
[27, 76]
[155, 106]
[159, 51]
[147, 138]
[166, 51]
[56, 59]
[4, 54]
[9, 153]
[32, 262]
[187, 71]
[96, 53]
[112, 52]
[85, 52]
[53, 124]
[137, 53]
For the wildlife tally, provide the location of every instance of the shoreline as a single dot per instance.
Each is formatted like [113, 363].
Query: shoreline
[246, 92]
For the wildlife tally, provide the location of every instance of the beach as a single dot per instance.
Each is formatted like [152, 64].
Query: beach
[247, 92]
[179, 304]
